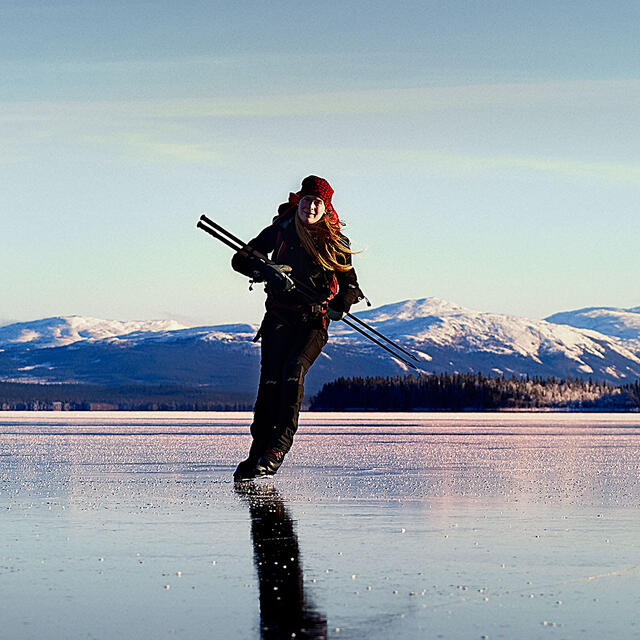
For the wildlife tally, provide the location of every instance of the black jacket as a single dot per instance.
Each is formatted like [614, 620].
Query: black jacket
[280, 239]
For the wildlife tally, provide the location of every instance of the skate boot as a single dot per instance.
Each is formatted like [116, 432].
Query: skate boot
[246, 470]
[269, 463]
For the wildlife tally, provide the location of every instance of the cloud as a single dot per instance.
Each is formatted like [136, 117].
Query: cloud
[523, 96]
[430, 162]
[397, 101]
[575, 94]
[607, 171]
[601, 171]
[196, 131]
[152, 150]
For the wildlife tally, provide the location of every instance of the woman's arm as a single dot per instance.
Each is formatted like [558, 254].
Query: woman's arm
[264, 243]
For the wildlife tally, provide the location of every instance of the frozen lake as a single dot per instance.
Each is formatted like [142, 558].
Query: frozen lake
[123, 525]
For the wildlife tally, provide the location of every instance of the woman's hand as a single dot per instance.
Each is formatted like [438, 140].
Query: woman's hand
[277, 277]
[334, 314]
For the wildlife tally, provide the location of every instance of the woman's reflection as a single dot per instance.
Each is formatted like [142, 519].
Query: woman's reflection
[284, 610]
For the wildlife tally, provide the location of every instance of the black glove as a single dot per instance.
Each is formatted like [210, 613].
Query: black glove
[277, 277]
[334, 314]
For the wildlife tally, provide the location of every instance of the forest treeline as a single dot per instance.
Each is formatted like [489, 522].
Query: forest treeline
[460, 392]
[17, 396]
[437, 392]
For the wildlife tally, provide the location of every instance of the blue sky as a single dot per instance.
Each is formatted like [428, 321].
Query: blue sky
[482, 152]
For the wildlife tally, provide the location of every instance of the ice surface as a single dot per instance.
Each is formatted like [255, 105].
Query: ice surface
[379, 525]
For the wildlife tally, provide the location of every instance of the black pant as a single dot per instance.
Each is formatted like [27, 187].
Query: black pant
[289, 348]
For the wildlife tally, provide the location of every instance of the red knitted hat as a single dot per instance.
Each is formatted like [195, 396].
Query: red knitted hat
[314, 186]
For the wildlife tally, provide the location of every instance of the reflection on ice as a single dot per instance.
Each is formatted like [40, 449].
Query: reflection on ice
[407, 526]
[285, 611]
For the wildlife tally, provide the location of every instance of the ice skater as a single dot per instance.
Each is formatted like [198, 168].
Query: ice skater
[306, 244]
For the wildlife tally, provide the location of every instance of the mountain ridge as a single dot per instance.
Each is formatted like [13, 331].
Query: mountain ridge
[58, 331]
[614, 321]
[445, 337]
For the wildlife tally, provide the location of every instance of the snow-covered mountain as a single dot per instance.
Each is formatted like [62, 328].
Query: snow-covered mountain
[448, 336]
[444, 336]
[622, 323]
[63, 330]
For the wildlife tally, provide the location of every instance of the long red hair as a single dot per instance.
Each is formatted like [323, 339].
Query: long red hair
[324, 242]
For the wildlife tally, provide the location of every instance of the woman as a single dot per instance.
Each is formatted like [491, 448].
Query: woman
[306, 243]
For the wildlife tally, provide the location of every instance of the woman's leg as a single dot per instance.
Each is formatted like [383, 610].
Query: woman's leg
[305, 346]
[265, 410]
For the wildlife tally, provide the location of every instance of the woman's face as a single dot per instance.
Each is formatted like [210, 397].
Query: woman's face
[311, 209]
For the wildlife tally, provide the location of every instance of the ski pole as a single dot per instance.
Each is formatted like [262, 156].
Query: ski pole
[377, 333]
[236, 244]
[239, 247]
[380, 344]
[243, 246]
[246, 247]
[220, 229]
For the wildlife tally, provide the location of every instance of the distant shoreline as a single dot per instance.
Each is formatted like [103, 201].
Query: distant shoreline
[434, 393]
[105, 408]
[16, 396]
[475, 392]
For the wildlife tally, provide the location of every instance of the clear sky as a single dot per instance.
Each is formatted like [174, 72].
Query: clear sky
[487, 153]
